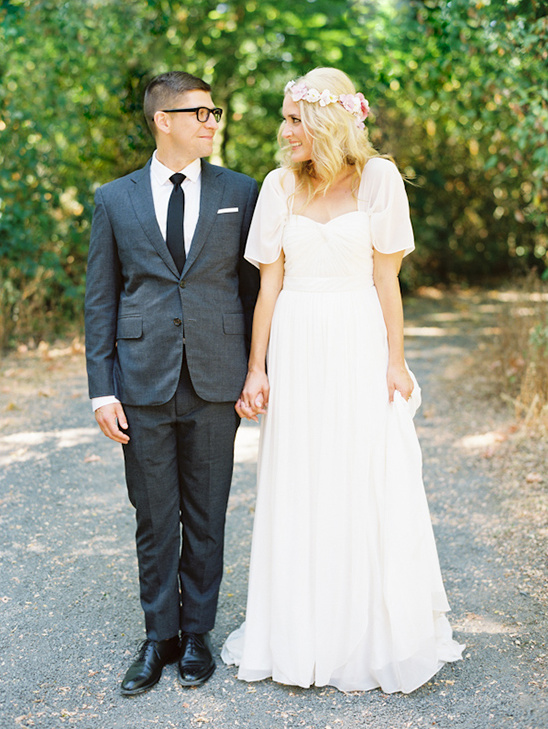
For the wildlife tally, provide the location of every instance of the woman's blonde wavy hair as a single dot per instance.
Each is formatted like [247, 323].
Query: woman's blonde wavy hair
[337, 142]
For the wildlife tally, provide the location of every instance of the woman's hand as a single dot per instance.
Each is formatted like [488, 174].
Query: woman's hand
[254, 398]
[398, 378]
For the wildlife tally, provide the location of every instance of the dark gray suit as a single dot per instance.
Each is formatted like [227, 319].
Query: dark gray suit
[172, 348]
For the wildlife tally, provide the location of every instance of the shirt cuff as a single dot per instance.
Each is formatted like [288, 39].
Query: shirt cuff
[98, 402]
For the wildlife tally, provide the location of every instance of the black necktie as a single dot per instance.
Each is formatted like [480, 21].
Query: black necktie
[175, 215]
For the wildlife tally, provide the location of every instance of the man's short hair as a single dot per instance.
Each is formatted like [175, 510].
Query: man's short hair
[163, 92]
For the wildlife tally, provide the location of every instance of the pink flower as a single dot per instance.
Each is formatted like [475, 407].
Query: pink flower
[299, 91]
[364, 105]
[347, 100]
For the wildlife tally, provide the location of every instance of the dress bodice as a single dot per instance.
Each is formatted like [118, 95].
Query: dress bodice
[342, 247]
[332, 256]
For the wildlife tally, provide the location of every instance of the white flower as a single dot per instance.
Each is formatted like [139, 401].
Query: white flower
[312, 96]
[326, 98]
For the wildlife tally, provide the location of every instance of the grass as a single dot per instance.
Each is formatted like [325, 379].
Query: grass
[520, 350]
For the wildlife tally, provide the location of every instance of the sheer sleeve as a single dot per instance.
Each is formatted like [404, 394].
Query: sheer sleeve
[264, 242]
[383, 195]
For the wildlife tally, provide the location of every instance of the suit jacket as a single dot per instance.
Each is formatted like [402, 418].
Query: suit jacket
[140, 311]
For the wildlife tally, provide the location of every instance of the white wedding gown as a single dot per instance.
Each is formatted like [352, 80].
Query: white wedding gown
[344, 586]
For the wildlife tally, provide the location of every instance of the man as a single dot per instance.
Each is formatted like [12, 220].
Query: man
[169, 305]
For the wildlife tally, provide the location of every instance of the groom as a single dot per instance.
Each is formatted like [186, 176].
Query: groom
[169, 303]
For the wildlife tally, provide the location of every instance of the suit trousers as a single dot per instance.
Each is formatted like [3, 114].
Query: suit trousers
[179, 463]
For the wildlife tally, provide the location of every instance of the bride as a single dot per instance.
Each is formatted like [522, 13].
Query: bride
[344, 586]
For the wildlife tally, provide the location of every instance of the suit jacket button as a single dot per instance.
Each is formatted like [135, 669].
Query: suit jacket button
[182, 284]
[177, 322]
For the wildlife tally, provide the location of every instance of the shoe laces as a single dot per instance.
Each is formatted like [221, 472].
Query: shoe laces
[146, 647]
[195, 640]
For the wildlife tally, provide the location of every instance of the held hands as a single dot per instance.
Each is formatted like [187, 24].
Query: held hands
[398, 378]
[254, 398]
[111, 418]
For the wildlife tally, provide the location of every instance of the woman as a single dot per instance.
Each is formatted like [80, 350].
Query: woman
[344, 586]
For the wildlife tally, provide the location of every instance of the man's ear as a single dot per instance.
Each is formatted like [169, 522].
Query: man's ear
[162, 121]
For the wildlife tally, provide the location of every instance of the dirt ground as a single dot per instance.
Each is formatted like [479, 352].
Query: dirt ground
[70, 619]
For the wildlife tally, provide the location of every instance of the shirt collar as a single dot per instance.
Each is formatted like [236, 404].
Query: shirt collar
[162, 173]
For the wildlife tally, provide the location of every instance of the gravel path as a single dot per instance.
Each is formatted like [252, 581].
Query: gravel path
[70, 619]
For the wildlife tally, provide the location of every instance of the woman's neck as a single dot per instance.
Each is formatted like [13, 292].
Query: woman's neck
[343, 178]
[322, 203]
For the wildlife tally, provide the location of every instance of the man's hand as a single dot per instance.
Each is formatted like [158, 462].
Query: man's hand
[111, 418]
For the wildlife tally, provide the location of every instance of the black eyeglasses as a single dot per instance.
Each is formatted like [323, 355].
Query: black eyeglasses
[202, 113]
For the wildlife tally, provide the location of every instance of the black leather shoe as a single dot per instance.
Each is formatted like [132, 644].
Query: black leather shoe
[196, 663]
[146, 670]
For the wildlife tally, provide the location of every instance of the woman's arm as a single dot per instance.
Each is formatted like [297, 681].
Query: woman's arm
[256, 390]
[386, 268]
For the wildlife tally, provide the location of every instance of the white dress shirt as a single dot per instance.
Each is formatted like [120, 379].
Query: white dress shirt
[161, 192]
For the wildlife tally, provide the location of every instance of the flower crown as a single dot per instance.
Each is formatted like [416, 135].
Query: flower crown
[356, 104]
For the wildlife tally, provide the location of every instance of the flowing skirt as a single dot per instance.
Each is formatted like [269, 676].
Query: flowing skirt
[345, 587]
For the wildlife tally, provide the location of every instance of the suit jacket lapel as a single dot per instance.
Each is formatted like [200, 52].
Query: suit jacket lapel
[211, 191]
[143, 204]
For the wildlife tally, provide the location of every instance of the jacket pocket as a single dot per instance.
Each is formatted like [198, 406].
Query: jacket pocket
[233, 324]
[129, 327]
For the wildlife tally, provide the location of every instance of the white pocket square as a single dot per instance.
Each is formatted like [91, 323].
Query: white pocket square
[227, 210]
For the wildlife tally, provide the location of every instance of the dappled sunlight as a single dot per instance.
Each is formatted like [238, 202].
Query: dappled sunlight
[516, 295]
[487, 308]
[105, 547]
[472, 623]
[446, 331]
[447, 316]
[431, 331]
[481, 440]
[449, 331]
[27, 445]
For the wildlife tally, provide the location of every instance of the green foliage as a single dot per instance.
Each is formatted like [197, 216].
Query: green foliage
[458, 91]
[467, 99]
